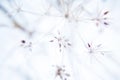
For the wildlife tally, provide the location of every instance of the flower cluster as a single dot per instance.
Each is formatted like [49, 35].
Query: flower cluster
[101, 19]
[94, 49]
[26, 44]
[62, 42]
[61, 73]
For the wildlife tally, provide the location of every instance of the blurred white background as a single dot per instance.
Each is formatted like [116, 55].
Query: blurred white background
[59, 40]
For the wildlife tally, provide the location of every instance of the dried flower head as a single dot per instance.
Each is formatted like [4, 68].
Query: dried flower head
[94, 49]
[61, 72]
[62, 42]
[26, 44]
[101, 18]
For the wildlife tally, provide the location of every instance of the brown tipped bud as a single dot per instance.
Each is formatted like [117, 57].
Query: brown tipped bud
[89, 45]
[106, 12]
[105, 23]
[23, 41]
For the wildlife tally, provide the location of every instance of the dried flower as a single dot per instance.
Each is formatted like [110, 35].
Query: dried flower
[26, 44]
[101, 19]
[94, 49]
[61, 72]
[62, 42]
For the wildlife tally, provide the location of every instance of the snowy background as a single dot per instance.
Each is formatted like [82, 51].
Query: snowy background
[59, 39]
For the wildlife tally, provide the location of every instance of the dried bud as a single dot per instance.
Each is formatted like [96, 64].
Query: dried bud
[89, 45]
[106, 12]
[105, 23]
[23, 41]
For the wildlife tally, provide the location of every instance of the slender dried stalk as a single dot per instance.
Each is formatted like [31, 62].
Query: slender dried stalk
[15, 23]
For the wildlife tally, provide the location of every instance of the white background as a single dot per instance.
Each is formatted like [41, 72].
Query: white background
[46, 19]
